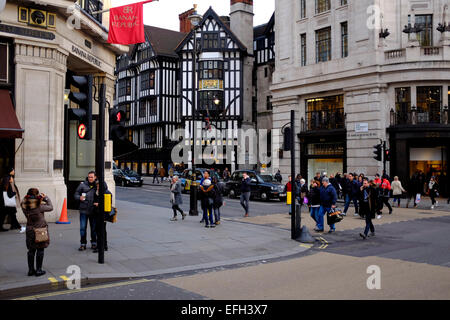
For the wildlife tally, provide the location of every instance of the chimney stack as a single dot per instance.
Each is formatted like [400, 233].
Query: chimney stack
[185, 23]
[241, 21]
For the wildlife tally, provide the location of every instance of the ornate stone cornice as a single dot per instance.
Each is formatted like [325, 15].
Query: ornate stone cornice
[40, 55]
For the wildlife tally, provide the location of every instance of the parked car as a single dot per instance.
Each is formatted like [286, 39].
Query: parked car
[263, 186]
[127, 178]
[186, 178]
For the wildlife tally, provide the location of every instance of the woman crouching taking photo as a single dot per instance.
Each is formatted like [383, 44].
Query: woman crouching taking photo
[34, 205]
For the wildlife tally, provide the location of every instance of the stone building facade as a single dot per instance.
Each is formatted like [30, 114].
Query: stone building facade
[351, 84]
[45, 41]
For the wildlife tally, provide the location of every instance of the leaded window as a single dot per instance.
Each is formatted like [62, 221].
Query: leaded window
[125, 87]
[211, 69]
[211, 100]
[150, 135]
[211, 40]
[148, 80]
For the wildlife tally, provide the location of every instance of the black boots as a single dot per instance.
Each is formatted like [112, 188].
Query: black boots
[39, 260]
[31, 270]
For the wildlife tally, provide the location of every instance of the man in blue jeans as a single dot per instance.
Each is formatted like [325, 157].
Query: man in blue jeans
[85, 195]
[351, 193]
[328, 198]
[245, 192]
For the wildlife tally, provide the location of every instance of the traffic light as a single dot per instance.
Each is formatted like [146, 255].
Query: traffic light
[116, 124]
[83, 98]
[377, 152]
[387, 155]
[287, 139]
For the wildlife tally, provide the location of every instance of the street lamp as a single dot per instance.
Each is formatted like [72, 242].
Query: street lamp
[195, 20]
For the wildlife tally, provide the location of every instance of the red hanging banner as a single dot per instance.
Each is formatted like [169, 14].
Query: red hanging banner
[126, 24]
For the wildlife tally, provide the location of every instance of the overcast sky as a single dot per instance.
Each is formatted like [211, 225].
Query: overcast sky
[164, 13]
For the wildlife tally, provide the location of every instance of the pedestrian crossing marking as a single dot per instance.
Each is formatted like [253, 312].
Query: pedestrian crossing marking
[53, 280]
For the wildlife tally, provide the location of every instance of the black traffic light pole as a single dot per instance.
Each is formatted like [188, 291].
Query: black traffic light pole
[384, 157]
[293, 216]
[100, 169]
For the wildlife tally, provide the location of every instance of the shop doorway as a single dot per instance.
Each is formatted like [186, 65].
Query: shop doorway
[430, 161]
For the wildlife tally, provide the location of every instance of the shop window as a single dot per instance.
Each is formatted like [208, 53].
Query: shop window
[325, 113]
[323, 45]
[429, 101]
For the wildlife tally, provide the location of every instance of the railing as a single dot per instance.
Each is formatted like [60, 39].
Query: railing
[395, 54]
[91, 6]
[431, 51]
[324, 120]
[417, 116]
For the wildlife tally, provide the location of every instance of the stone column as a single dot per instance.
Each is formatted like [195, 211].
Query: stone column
[40, 83]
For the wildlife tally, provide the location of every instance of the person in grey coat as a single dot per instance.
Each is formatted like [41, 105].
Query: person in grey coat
[85, 195]
[175, 198]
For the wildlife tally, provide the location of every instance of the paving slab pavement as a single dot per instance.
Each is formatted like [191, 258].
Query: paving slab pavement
[143, 243]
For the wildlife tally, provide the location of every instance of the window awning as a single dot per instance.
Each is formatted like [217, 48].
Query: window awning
[9, 125]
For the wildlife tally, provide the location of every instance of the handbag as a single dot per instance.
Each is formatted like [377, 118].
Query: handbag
[418, 198]
[41, 235]
[9, 202]
[334, 216]
[111, 216]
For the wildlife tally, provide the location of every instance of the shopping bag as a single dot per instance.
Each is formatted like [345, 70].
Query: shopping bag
[9, 202]
[418, 198]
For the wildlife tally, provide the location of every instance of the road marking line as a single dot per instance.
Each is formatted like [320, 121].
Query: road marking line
[54, 294]
[53, 280]
[325, 246]
[64, 278]
[306, 245]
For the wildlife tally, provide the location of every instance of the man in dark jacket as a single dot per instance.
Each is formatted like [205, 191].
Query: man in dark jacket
[368, 205]
[245, 192]
[351, 193]
[206, 192]
[328, 198]
[85, 195]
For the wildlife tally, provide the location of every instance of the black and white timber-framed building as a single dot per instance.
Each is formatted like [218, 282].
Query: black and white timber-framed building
[146, 90]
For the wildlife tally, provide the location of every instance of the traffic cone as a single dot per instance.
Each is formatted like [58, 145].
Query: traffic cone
[63, 219]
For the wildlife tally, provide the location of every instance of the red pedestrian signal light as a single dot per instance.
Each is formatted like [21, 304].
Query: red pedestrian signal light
[387, 155]
[82, 131]
[117, 129]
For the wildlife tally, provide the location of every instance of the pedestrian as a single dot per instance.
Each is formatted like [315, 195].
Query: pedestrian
[10, 189]
[226, 174]
[278, 176]
[96, 212]
[397, 190]
[207, 199]
[328, 198]
[352, 189]
[218, 199]
[171, 174]
[314, 200]
[33, 206]
[245, 192]
[385, 193]
[85, 195]
[412, 189]
[155, 175]
[433, 191]
[162, 174]
[176, 199]
[368, 206]
[302, 192]
[203, 177]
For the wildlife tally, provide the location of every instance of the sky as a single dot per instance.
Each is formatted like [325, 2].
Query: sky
[164, 13]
